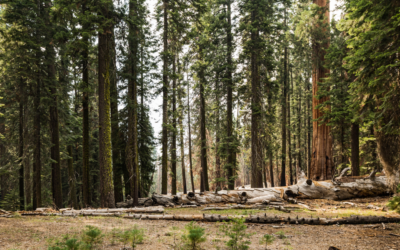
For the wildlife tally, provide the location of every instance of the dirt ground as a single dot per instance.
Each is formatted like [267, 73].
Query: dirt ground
[41, 232]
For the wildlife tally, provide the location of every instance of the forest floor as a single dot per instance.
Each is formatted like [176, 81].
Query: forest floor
[41, 232]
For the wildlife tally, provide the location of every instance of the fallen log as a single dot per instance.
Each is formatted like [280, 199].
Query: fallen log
[166, 217]
[341, 189]
[41, 214]
[263, 219]
[151, 210]
[187, 206]
[129, 203]
[235, 207]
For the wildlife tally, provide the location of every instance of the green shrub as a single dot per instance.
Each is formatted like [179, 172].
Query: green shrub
[11, 201]
[236, 231]
[91, 237]
[394, 203]
[67, 244]
[267, 239]
[194, 237]
[281, 235]
[136, 236]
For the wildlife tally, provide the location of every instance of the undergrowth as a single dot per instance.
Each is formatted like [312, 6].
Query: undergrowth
[394, 203]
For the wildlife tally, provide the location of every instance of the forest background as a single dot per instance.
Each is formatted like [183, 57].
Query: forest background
[103, 99]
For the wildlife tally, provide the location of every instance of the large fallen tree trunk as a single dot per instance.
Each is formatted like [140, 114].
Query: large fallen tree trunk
[263, 219]
[150, 210]
[341, 189]
[271, 220]
[129, 203]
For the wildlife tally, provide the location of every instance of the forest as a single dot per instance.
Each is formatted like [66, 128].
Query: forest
[130, 104]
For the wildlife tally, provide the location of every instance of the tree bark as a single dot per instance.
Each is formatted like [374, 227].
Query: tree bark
[289, 132]
[217, 134]
[132, 156]
[27, 163]
[72, 180]
[37, 187]
[105, 161]
[271, 168]
[322, 159]
[174, 129]
[3, 177]
[190, 140]
[54, 129]
[256, 150]
[116, 145]
[299, 132]
[284, 125]
[27, 178]
[164, 140]
[203, 150]
[85, 114]
[180, 94]
[231, 164]
[308, 113]
[355, 149]
[21, 145]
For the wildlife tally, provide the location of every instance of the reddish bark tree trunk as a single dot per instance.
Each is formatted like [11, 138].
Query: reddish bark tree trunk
[321, 158]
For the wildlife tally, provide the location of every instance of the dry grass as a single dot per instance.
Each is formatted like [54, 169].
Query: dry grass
[41, 232]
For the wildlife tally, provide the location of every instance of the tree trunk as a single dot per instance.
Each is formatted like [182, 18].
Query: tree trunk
[27, 173]
[164, 140]
[174, 129]
[180, 115]
[72, 180]
[284, 125]
[203, 150]
[105, 161]
[3, 177]
[54, 129]
[355, 149]
[85, 115]
[132, 156]
[388, 148]
[127, 184]
[299, 132]
[117, 171]
[21, 146]
[321, 160]
[271, 168]
[229, 102]
[217, 134]
[289, 131]
[308, 113]
[190, 140]
[256, 150]
[37, 187]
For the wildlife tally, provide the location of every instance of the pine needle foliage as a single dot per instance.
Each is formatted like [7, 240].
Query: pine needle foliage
[195, 235]
[235, 230]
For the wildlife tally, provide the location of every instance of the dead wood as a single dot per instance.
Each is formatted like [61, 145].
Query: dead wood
[343, 173]
[129, 202]
[263, 219]
[154, 210]
[347, 188]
